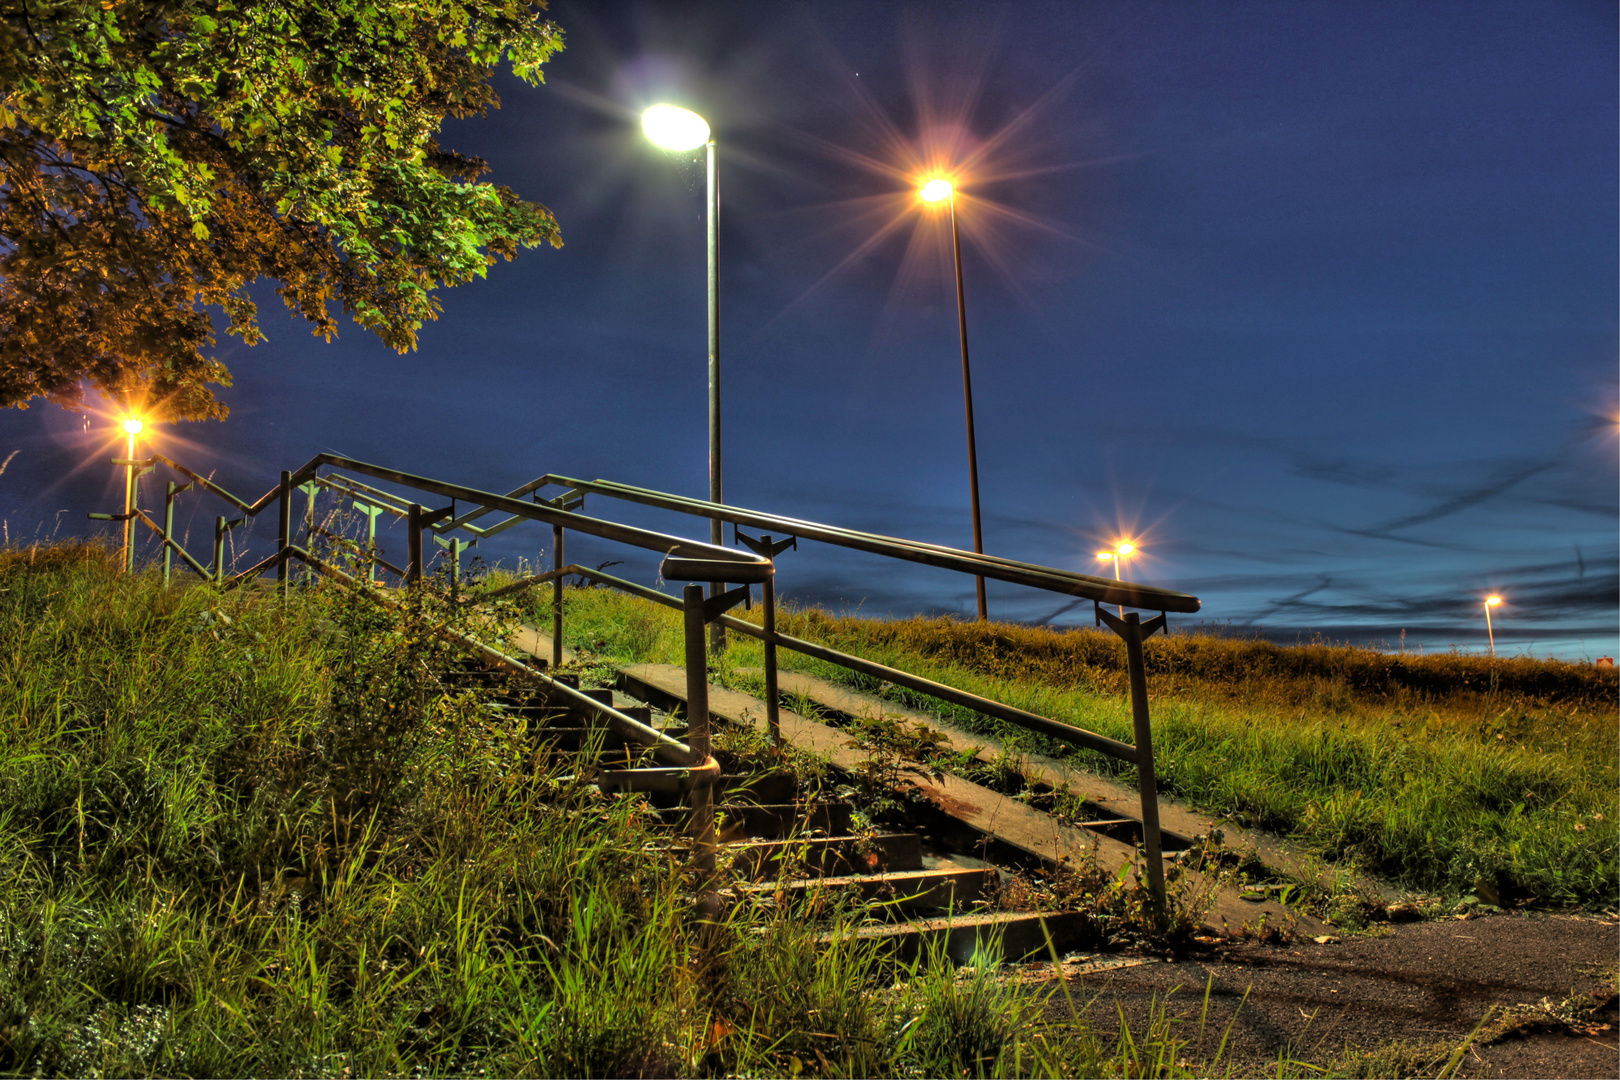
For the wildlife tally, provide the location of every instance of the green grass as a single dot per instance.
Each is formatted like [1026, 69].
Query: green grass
[247, 836]
[1444, 773]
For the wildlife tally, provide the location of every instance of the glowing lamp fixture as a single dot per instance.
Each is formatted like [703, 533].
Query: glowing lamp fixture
[936, 190]
[1492, 601]
[1122, 549]
[675, 128]
[133, 426]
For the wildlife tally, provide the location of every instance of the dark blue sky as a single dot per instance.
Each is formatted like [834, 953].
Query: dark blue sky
[1316, 301]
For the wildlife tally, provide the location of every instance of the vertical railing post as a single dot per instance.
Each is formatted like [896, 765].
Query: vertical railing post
[309, 490]
[697, 736]
[413, 544]
[1152, 847]
[284, 529]
[773, 718]
[556, 597]
[455, 568]
[129, 510]
[219, 549]
[371, 513]
[168, 530]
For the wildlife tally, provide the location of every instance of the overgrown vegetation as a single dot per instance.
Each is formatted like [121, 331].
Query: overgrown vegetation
[242, 835]
[1460, 775]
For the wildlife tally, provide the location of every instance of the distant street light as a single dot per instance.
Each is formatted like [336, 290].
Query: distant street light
[1121, 550]
[132, 428]
[678, 129]
[942, 190]
[1490, 602]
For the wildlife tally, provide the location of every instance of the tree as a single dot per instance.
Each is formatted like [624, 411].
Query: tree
[157, 157]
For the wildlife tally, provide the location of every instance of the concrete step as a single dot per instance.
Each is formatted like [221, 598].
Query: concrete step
[765, 789]
[772, 821]
[900, 891]
[824, 856]
[1008, 936]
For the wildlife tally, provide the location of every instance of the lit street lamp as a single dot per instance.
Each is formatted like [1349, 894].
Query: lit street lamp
[941, 190]
[1121, 550]
[675, 128]
[1490, 602]
[132, 428]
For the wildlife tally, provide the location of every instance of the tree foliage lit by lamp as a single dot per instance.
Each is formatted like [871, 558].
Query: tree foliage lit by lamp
[162, 157]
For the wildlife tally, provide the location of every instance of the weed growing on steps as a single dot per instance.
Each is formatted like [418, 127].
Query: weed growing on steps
[1445, 773]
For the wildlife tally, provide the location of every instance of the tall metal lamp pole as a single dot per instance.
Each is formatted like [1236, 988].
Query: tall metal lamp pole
[935, 191]
[675, 128]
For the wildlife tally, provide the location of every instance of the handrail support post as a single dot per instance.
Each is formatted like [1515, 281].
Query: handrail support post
[168, 530]
[413, 545]
[697, 737]
[773, 719]
[1147, 781]
[219, 550]
[283, 530]
[557, 597]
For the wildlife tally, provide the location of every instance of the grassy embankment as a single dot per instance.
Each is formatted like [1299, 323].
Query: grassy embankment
[242, 836]
[1445, 773]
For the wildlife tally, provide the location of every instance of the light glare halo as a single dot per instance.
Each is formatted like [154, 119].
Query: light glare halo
[935, 190]
[133, 426]
[675, 128]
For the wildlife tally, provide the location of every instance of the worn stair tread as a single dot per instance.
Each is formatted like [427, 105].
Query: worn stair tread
[821, 855]
[903, 890]
[1021, 935]
[988, 812]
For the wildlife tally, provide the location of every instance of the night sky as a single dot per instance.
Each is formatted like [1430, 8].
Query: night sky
[1315, 302]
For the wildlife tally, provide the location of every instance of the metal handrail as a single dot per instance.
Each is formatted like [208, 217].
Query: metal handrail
[690, 560]
[1051, 579]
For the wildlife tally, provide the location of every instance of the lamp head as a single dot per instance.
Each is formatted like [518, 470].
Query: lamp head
[675, 128]
[936, 190]
[1104, 556]
[133, 426]
[1125, 548]
[1492, 601]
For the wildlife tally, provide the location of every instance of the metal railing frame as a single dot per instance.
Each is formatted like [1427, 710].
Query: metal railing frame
[694, 769]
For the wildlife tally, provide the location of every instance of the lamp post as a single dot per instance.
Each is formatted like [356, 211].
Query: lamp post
[942, 190]
[675, 128]
[1490, 602]
[132, 428]
[1120, 550]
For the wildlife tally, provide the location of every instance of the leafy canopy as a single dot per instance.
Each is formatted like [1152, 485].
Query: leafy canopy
[159, 156]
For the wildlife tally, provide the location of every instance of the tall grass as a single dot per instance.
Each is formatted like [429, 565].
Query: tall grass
[247, 836]
[1445, 773]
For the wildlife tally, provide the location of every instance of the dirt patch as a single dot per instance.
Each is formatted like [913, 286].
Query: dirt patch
[1425, 985]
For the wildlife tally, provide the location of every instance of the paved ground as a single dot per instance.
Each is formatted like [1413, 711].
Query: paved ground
[1422, 983]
